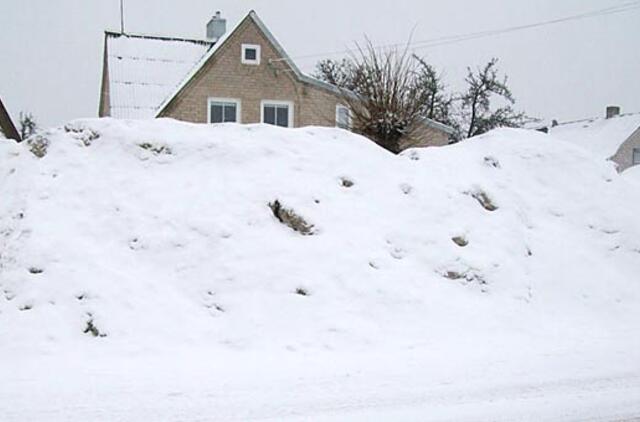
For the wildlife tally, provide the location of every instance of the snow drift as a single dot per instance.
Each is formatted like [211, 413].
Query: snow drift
[153, 235]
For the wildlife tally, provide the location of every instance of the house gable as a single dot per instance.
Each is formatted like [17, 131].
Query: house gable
[624, 155]
[222, 74]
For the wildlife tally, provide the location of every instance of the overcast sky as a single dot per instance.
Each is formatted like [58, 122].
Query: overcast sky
[51, 50]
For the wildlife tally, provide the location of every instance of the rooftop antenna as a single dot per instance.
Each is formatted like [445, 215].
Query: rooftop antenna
[122, 16]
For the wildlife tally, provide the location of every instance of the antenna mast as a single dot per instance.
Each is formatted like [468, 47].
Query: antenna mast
[122, 16]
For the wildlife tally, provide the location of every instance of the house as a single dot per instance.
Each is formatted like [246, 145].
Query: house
[6, 125]
[242, 75]
[614, 137]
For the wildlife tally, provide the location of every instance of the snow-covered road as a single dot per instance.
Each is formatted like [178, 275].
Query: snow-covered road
[244, 387]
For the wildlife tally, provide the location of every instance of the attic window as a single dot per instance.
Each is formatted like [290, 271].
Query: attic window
[636, 157]
[250, 54]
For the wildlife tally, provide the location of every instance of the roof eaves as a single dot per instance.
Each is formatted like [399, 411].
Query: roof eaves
[439, 126]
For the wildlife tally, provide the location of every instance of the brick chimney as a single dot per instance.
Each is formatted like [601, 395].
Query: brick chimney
[216, 27]
[612, 111]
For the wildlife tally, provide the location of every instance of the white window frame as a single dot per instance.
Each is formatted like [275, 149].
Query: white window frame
[278, 103]
[343, 107]
[246, 47]
[236, 101]
[634, 151]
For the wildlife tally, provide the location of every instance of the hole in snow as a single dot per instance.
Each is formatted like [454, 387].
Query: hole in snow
[36, 270]
[460, 241]
[302, 291]
[406, 188]
[347, 183]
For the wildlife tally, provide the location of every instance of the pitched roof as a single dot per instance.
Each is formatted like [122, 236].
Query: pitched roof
[601, 136]
[281, 52]
[145, 69]
[7, 128]
[146, 72]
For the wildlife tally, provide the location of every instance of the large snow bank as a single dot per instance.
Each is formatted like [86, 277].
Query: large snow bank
[160, 234]
[632, 174]
[143, 275]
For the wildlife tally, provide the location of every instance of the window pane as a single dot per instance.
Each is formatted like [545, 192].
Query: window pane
[283, 116]
[216, 113]
[230, 113]
[343, 118]
[270, 115]
[636, 156]
[250, 54]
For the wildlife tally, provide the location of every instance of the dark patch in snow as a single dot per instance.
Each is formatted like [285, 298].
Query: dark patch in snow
[483, 199]
[460, 241]
[302, 291]
[214, 306]
[92, 329]
[156, 149]
[347, 183]
[135, 244]
[38, 145]
[36, 270]
[413, 155]
[406, 188]
[466, 277]
[491, 162]
[289, 218]
[82, 133]
[26, 307]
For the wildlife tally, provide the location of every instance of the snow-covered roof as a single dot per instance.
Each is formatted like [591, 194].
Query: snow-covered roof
[601, 136]
[144, 70]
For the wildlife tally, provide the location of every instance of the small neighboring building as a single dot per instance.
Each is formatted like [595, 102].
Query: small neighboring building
[6, 125]
[614, 137]
[243, 75]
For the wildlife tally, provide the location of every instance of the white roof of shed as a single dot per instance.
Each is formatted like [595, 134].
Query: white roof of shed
[144, 70]
[601, 136]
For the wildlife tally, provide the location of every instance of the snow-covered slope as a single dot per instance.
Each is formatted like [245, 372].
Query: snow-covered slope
[632, 174]
[158, 236]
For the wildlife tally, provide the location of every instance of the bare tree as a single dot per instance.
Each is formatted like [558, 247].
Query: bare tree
[390, 92]
[477, 115]
[438, 102]
[342, 74]
[383, 92]
[28, 125]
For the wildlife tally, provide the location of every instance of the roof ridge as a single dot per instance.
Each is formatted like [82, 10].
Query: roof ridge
[593, 119]
[156, 37]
